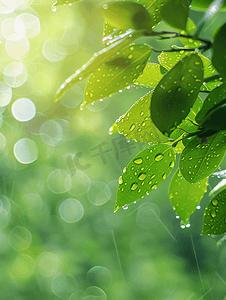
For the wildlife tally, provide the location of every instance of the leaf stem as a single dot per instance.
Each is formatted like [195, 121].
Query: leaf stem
[205, 47]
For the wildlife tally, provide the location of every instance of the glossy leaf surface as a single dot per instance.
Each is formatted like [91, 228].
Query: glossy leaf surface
[190, 30]
[214, 221]
[127, 15]
[184, 196]
[169, 59]
[219, 51]
[136, 123]
[175, 13]
[213, 121]
[215, 97]
[155, 9]
[144, 173]
[187, 125]
[151, 75]
[176, 93]
[95, 62]
[199, 160]
[117, 73]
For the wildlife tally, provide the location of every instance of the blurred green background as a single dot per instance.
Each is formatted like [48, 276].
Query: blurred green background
[59, 236]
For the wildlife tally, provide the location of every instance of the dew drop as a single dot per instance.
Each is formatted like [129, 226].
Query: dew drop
[164, 176]
[154, 187]
[125, 207]
[198, 207]
[213, 214]
[132, 127]
[134, 186]
[138, 161]
[120, 180]
[214, 202]
[153, 176]
[172, 164]
[159, 157]
[124, 170]
[142, 176]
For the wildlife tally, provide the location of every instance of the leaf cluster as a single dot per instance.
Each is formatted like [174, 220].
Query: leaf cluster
[172, 105]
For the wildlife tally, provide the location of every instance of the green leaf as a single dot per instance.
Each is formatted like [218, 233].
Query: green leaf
[151, 75]
[214, 221]
[117, 73]
[127, 15]
[220, 186]
[214, 120]
[96, 61]
[186, 124]
[176, 93]
[136, 123]
[219, 51]
[155, 9]
[203, 4]
[175, 13]
[190, 30]
[214, 98]
[199, 160]
[169, 59]
[144, 173]
[184, 196]
[110, 32]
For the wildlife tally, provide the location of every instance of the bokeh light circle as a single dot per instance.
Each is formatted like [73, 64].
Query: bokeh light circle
[15, 74]
[12, 31]
[34, 124]
[59, 181]
[53, 50]
[13, 4]
[99, 276]
[19, 238]
[23, 267]
[51, 129]
[73, 97]
[63, 285]
[99, 193]
[48, 264]
[17, 49]
[23, 109]
[71, 210]
[5, 94]
[31, 24]
[25, 151]
[94, 292]
[80, 183]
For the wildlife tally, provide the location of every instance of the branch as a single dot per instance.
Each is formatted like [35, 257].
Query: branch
[203, 48]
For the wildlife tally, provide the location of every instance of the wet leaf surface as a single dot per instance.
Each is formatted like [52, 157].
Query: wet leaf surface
[199, 160]
[144, 173]
[184, 196]
[214, 221]
[136, 123]
[176, 93]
